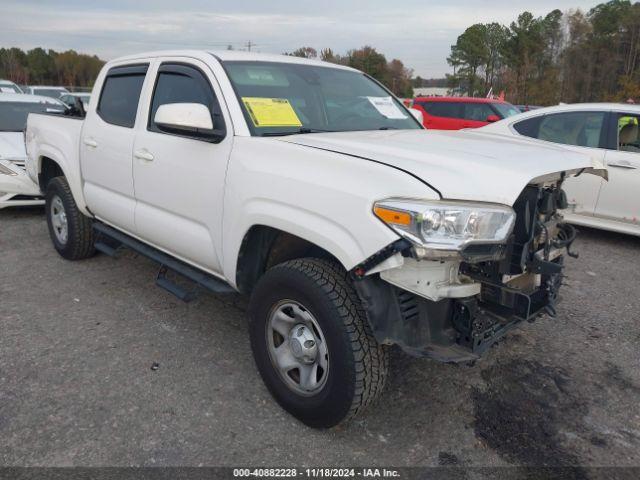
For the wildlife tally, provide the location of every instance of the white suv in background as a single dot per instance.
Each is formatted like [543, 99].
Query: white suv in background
[609, 132]
[7, 86]
[47, 91]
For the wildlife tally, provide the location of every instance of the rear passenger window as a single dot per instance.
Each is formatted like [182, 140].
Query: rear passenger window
[443, 109]
[120, 95]
[582, 129]
[178, 83]
[528, 127]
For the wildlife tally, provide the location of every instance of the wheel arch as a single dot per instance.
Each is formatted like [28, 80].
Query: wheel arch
[51, 164]
[48, 168]
[263, 247]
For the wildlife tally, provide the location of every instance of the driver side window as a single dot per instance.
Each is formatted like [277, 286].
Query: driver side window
[179, 83]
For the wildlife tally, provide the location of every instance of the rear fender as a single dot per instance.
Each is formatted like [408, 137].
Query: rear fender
[69, 168]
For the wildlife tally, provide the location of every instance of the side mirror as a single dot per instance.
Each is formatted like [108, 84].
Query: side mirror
[493, 118]
[189, 119]
[78, 106]
[417, 115]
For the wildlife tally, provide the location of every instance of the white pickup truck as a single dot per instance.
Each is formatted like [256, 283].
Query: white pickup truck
[310, 187]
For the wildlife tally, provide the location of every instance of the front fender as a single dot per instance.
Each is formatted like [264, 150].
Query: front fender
[323, 197]
[309, 225]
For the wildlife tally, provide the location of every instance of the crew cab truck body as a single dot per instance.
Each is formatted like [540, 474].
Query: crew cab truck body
[312, 188]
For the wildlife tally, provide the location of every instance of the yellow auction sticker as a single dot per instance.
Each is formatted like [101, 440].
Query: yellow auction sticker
[271, 112]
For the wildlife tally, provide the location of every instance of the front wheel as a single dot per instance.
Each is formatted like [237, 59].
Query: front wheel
[312, 343]
[70, 231]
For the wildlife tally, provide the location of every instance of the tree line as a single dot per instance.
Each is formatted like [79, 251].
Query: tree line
[393, 74]
[48, 67]
[561, 57]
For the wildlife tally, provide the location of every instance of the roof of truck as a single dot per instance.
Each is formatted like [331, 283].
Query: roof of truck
[233, 55]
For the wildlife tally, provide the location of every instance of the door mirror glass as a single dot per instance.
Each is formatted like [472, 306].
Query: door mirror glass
[493, 118]
[187, 119]
[417, 114]
[184, 116]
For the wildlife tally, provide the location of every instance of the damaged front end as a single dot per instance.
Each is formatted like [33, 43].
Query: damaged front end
[453, 305]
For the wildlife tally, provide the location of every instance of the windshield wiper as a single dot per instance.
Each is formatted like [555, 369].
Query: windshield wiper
[296, 132]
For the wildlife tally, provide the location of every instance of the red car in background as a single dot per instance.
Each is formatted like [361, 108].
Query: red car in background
[455, 113]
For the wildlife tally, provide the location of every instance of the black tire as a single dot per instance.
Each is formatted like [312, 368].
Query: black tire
[358, 365]
[80, 237]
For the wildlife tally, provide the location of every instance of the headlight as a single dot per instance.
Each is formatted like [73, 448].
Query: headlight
[446, 225]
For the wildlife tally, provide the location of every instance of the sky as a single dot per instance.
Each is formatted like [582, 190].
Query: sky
[418, 32]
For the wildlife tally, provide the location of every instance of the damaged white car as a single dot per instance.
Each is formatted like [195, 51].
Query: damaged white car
[16, 188]
[310, 187]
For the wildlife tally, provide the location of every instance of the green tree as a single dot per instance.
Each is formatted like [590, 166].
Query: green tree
[400, 79]
[469, 55]
[304, 52]
[39, 65]
[370, 61]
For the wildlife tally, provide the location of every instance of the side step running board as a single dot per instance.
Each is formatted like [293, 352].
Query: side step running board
[110, 240]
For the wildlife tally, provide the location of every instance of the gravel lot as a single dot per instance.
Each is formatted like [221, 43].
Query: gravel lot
[78, 340]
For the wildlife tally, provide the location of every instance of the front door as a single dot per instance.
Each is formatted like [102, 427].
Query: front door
[619, 198]
[179, 181]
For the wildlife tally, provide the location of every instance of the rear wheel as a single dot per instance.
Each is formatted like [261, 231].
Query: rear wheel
[312, 343]
[70, 230]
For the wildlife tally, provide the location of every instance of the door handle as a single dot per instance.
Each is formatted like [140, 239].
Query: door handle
[89, 142]
[143, 155]
[622, 164]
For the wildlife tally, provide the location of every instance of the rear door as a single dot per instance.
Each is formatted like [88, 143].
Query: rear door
[619, 196]
[106, 146]
[179, 181]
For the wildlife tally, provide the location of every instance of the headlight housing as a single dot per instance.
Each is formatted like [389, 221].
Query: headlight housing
[445, 228]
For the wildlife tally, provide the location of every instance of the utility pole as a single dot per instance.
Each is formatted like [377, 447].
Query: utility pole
[249, 46]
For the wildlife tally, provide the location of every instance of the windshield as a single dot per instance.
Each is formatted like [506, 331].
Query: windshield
[506, 109]
[286, 98]
[49, 92]
[13, 115]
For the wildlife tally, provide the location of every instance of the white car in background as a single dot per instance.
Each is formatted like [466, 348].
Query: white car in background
[16, 188]
[7, 86]
[69, 99]
[47, 91]
[609, 132]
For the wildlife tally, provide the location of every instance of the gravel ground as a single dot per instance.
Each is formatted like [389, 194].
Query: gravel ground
[78, 339]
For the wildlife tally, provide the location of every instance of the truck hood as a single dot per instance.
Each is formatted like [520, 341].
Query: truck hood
[12, 146]
[467, 165]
